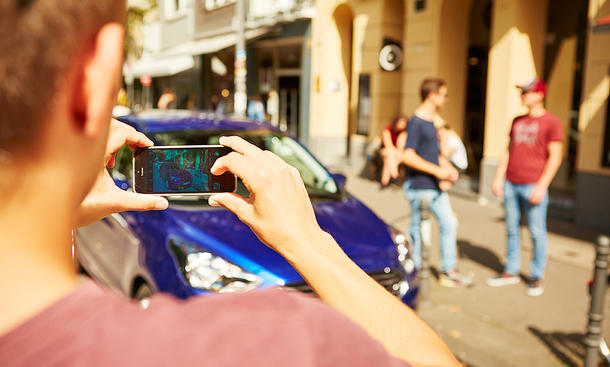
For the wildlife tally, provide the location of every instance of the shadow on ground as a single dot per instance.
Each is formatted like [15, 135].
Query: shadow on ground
[567, 347]
[480, 255]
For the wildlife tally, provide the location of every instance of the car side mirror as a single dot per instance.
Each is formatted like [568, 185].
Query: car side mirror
[339, 178]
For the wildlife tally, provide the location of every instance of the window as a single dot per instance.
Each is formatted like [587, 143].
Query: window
[363, 118]
[175, 8]
[215, 4]
[420, 5]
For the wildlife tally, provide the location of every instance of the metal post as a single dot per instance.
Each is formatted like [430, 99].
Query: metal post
[426, 240]
[240, 98]
[596, 311]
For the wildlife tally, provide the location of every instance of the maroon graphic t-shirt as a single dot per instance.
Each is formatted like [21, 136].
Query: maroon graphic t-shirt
[528, 148]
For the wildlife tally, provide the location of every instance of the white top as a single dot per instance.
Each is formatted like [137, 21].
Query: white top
[458, 157]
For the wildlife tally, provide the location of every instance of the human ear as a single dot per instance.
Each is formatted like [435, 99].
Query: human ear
[96, 80]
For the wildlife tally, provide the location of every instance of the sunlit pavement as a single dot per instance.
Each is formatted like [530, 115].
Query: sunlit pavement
[487, 326]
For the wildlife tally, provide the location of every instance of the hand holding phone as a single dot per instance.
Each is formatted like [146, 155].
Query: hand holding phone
[180, 170]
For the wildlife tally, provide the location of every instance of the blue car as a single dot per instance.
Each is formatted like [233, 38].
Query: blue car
[192, 248]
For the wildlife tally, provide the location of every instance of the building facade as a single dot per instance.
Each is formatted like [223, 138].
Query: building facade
[483, 49]
[191, 50]
[342, 69]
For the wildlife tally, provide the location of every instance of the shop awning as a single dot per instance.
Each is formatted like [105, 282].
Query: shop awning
[180, 58]
[212, 44]
[161, 66]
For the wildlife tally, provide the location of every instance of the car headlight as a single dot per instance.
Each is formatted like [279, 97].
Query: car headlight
[403, 247]
[204, 270]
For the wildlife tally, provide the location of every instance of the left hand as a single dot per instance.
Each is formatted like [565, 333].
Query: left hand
[537, 194]
[105, 197]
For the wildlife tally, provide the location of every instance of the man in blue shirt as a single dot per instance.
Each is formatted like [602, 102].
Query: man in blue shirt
[426, 167]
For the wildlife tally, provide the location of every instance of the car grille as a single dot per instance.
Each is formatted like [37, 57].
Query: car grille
[389, 280]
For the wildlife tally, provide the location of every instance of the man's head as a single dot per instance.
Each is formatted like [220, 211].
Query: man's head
[434, 91]
[533, 92]
[60, 67]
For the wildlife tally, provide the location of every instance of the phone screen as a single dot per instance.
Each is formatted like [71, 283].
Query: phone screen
[180, 170]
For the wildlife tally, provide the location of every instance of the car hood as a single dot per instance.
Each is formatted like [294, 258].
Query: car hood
[362, 235]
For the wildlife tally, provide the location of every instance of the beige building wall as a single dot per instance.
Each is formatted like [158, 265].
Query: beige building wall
[593, 180]
[436, 45]
[516, 54]
[346, 39]
[595, 95]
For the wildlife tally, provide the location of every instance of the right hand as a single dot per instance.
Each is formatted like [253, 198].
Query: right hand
[448, 173]
[105, 197]
[497, 186]
[278, 209]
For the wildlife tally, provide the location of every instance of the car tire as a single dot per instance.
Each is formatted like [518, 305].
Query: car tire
[144, 291]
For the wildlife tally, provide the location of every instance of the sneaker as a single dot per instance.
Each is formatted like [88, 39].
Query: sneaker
[535, 287]
[454, 279]
[503, 279]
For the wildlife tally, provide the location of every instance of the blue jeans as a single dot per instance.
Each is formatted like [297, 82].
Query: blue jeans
[440, 206]
[515, 200]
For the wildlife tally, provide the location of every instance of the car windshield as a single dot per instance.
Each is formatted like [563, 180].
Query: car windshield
[319, 183]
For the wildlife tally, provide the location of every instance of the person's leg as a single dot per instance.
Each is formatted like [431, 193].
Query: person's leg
[513, 217]
[536, 222]
[414, 230]
[389, 169]
[448, 223]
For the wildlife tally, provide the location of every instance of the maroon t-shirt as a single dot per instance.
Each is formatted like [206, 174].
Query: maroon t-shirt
[528, 148]
[274, 327]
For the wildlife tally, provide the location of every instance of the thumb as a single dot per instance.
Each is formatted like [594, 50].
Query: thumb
[232, 202]
[140, 202]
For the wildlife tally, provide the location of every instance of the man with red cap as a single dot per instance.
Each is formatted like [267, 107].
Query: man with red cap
[523, 176]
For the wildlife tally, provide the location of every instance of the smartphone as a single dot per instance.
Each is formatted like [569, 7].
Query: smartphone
[180, 170]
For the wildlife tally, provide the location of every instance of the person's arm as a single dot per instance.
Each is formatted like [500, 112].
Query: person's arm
[413, 160]
[553, 163]
[497, 185]
[401, 141]
[280, 213]
[386, 139]
[105, 197]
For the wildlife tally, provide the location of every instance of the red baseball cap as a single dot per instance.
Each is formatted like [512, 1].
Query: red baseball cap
[533, 85]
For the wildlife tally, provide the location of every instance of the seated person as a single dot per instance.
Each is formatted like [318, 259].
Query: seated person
[393, 139]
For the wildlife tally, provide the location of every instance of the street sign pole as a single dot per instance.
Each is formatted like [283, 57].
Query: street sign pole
[240, 99]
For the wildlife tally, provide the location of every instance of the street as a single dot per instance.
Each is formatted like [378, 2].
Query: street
[487, 326]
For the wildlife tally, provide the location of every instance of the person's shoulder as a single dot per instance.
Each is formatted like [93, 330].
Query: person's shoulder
[521, 117]
[551, 118]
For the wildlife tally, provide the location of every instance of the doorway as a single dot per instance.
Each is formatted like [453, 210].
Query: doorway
[476, 83]
[289, 87]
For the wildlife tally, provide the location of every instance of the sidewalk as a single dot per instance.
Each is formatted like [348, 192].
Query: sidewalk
[487, 326]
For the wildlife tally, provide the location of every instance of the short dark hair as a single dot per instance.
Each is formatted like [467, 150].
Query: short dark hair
[430, 85]
[38, 43]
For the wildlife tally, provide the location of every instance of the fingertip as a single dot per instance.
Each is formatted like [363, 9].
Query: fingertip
[212, 200]
[161, 203]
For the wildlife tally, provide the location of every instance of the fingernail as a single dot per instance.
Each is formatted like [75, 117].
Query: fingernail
[212, 201]
[161, 205]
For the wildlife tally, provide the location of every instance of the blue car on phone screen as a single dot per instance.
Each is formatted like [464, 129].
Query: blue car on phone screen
[192, 248]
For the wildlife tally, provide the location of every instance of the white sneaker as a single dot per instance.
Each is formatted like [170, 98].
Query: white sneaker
[503, 279]
[535, 288]
[454, 279]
